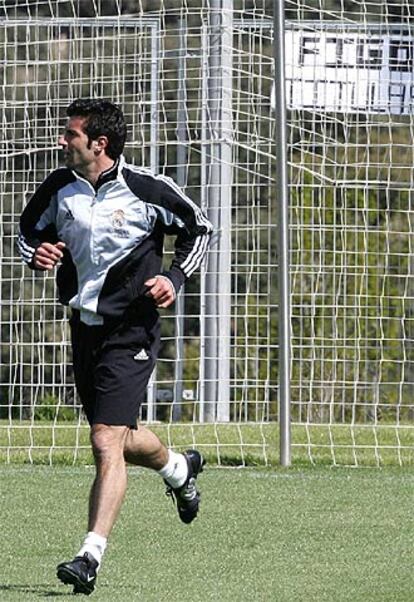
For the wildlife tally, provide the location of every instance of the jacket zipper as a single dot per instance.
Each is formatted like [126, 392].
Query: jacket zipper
[95, 260]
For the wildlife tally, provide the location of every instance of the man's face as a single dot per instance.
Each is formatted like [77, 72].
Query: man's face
[77, 151]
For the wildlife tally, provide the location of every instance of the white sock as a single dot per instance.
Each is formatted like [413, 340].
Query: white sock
[175, 472]
[95, 545]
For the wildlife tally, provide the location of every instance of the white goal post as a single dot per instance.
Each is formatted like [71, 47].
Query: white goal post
[195, 83]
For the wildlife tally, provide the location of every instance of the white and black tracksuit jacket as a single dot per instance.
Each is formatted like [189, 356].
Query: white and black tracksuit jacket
[114, 235]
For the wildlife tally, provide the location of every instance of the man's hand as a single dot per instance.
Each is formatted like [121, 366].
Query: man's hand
[47, 255]
[161, 290]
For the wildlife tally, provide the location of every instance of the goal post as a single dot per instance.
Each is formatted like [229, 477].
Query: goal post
[219, 134]
[282, 199]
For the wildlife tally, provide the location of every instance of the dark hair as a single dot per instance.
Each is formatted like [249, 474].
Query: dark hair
[103, 119]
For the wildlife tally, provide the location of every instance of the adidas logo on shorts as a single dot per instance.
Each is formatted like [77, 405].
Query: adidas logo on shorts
[141, 355]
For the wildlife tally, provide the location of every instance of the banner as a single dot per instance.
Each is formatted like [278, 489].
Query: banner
[357, 71]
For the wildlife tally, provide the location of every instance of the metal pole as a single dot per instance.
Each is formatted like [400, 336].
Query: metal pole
[218, 277]
[152, 389]
[282, 199]
[155, 59]
[181, 181]
[226, 178]
[202, 394]
[213, 202]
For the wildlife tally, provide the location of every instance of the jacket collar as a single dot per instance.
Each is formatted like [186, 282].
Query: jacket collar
[108, 175]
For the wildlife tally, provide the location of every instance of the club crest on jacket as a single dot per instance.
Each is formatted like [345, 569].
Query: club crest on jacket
[118, 219]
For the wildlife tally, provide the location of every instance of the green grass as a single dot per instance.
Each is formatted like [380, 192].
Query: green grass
[313, 534]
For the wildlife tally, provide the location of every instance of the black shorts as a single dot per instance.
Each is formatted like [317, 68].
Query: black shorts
[112, 366]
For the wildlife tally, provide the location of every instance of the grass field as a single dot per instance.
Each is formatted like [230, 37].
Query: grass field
[303, 534]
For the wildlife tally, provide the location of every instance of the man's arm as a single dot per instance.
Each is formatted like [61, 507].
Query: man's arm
[37, 241]
[192, 228]
[182, 217]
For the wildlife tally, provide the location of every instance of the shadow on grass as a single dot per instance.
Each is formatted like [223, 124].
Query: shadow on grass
[40, 590]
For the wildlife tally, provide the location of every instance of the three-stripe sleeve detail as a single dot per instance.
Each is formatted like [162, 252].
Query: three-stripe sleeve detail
[194, 258]
[26, 251]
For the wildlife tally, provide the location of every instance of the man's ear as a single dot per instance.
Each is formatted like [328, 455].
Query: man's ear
[101, 144]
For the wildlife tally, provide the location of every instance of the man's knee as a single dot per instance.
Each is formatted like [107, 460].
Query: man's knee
[108, 441]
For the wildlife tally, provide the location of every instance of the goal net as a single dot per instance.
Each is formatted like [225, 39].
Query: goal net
[195, 83]
[215, 382]
[350, 98]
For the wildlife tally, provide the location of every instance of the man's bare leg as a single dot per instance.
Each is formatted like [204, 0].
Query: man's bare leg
[109, 487]
[143, 448]
[106, 497]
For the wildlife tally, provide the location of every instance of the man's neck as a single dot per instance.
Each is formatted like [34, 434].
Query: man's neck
[92, 172]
